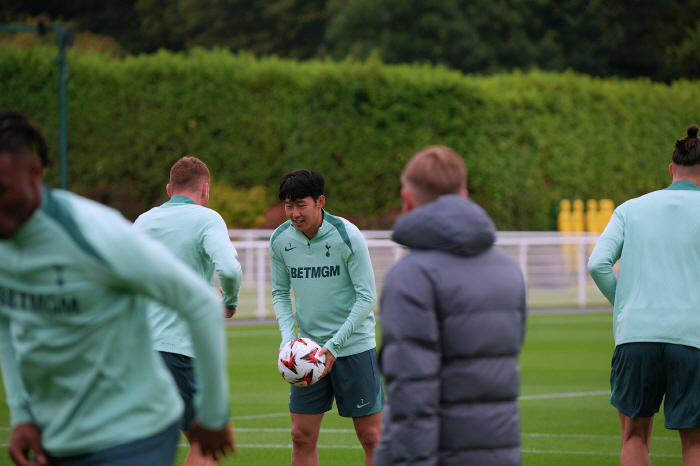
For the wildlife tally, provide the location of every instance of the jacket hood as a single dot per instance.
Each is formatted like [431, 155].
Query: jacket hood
[452, 223]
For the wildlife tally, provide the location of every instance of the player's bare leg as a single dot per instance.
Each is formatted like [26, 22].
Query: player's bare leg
[690, 446]
[305, 430]
[368, 430]
[195, 457]
[636, 439]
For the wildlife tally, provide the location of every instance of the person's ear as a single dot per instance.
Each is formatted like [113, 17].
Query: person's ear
[670, 168]
[408, 203]
[465, 193]
[167, 188]
[321, 201]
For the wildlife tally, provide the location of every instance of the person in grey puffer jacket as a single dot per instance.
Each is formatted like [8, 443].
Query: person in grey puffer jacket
[453, 322]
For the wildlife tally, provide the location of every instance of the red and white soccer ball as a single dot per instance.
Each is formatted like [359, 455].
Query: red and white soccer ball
[299, 363]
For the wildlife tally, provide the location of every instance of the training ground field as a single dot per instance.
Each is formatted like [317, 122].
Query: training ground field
[565, 414]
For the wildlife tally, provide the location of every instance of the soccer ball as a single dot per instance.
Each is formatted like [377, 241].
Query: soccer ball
[299, 363]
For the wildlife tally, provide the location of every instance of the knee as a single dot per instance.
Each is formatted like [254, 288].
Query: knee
[369, 438]
[303, 438]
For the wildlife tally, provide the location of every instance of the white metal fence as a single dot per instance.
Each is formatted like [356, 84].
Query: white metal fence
[554, 266]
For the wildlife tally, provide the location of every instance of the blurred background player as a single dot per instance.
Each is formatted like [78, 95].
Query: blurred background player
[326, 260]
[83, 384]
[198, 236]
[453, 322]
[656, 299]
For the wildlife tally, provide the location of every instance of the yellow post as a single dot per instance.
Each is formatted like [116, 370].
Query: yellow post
[592, 216]
[607, 207]
[565, 227]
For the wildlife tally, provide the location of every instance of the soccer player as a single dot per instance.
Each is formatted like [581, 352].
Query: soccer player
[453, 320]
[83, 384]
[326, 261]
[199, 237]
[656, 299]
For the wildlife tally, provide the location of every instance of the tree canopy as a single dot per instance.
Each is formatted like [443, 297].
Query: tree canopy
[625, 38]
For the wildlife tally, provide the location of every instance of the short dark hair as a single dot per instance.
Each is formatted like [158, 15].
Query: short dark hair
[687, 150]
[17, 134]
[300, 184]
[188, 173]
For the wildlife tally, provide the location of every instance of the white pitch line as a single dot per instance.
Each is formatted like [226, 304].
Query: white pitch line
[563, 395]
[265, 416]
[596, 453]
[253, 333]
[612, 437]
[288, 429]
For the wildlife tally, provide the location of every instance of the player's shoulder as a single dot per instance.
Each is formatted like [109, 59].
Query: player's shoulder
[280, 232]
[89, 224]
[348, 232]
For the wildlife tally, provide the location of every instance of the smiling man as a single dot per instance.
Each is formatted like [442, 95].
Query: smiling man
[325, 259]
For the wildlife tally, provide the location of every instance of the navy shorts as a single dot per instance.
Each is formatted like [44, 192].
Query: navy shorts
[157, 450]
[181, 368]
[354, 382]
[644, 374]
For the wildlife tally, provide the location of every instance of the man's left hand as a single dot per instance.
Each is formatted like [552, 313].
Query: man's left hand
[330, 359]
[26, 437]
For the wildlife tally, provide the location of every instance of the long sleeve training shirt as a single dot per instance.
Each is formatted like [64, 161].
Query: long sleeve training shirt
[333, 282]
[657, 239]
[75, 344]
[198, 236]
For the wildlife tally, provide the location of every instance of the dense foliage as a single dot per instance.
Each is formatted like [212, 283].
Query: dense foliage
[623, 38]
[529, 139]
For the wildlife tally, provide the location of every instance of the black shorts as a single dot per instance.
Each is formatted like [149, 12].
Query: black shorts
[644, 374]
[354, 382]
[181, 368]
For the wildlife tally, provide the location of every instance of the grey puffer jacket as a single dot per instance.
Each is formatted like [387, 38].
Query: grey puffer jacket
[453, 322]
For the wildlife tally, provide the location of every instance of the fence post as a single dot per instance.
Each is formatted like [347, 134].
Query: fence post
[522, 259]
[582, 270]
[261, 283]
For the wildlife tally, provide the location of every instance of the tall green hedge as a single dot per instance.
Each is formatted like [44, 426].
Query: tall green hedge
[529, 140]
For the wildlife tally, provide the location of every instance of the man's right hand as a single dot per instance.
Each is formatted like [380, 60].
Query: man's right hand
[26, 437]
[213, 443]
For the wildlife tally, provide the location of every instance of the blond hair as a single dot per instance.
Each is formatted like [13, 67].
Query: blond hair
[432, 172]
[188, 173]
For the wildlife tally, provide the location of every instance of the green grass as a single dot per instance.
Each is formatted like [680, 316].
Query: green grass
[565, 414]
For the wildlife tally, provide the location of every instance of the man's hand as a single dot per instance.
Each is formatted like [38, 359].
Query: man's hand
[330, 359]
[213, 443]
[26, 437]
[227, 312]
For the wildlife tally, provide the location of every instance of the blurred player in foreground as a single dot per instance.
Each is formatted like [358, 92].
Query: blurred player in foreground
[656, 299]
[198, 236]
[453, 322]
[83, 384]
[326, 260]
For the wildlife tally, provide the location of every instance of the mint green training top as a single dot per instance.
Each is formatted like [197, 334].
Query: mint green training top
[198, 236]
[333, 282]
[657, 239]
[75, 345]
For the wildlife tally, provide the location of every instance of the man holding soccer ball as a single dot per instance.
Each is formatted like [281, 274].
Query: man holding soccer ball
[326, 260]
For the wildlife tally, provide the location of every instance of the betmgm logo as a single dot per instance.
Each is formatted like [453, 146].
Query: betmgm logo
[314, 272]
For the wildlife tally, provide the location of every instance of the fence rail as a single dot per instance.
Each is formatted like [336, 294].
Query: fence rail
[553, 264]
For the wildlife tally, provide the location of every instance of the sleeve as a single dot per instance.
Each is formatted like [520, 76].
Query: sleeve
[606, 253]
[281, 298]
[218, 247]
[410, 362]
[146, 267]
[15, 393]
[362, 276]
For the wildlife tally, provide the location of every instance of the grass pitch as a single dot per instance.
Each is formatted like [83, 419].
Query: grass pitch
[565, 414]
